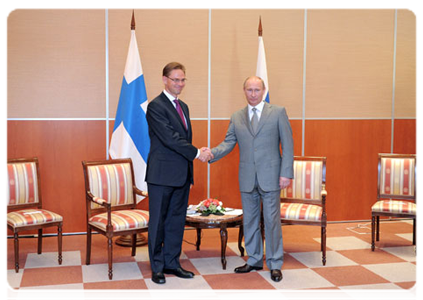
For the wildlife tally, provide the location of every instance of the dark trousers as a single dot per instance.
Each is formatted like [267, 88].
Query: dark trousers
[167, 207]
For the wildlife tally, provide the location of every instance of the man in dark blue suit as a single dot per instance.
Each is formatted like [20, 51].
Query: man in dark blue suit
[169, 174]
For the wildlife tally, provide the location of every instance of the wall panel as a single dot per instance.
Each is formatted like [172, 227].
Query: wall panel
[351, 148]
[56, 64]
[349, 63]
[405, 73]
[405, 136]
[163, 36]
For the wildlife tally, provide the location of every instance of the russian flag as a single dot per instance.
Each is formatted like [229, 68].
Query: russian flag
[262, 68]
[130, 134]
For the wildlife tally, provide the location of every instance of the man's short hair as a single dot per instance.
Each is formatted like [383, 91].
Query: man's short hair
[262, 81]
[172, 66]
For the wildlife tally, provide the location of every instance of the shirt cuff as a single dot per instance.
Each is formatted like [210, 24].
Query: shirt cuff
[198, 153]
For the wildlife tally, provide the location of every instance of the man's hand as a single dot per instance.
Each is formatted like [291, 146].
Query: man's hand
[284, 182]
[205, 154]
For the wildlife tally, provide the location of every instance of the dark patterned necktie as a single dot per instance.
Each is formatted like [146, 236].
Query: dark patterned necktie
[179, 110]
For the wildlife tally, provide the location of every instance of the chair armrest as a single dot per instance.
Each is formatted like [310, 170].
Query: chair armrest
[97, 200]
[139, 192]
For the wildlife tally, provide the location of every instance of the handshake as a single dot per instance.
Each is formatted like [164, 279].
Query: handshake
[205, 154]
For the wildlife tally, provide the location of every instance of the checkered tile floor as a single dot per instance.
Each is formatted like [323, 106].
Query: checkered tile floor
[350, 262]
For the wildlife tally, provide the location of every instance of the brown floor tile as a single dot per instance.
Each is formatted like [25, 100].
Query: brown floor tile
[300, 238]
[11, 294]
[317, 294]
[145, 268]
[51, 276]
[349, 275]
[412, 287]
[249, 281]
[366, 256]
[127, 290]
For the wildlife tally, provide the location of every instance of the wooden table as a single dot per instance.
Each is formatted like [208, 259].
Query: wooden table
[222, 222]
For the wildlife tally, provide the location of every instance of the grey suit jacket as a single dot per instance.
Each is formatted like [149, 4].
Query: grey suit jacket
[260, 153]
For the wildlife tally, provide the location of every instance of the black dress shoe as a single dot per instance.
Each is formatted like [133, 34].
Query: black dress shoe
[276, 275]
[247, 268]
[158, 277]
[179, 272]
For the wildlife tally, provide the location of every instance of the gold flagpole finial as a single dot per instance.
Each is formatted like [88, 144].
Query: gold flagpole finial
[133, 21]
[260, 28]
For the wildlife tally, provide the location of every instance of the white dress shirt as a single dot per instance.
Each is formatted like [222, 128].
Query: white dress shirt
[259, 109]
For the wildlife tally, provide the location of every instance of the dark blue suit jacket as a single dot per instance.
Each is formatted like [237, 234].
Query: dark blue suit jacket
[170, 161]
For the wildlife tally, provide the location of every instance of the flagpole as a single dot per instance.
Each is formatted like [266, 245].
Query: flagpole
[260, 28]
[261, 62]
[126, 240]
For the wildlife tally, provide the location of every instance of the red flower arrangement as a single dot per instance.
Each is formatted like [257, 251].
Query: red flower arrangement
[211, 206]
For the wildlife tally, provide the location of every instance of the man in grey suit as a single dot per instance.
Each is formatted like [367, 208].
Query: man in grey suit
[259, 129]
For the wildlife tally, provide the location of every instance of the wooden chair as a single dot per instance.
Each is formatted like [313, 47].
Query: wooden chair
[396, 191]
[110, 202]
[303, 202]
[24, 206]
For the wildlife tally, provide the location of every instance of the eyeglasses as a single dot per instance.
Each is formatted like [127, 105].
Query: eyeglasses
[177, 80]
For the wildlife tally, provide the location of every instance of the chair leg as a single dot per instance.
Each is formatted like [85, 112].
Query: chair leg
[377, 228]
[373, 232]
[323, 243]
[16, 242]
[110, 256]
[88, 254]
[40, 240]
[417, 234]
[59, 242]
[414, 231]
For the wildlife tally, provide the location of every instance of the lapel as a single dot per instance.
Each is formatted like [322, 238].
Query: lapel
[267, 109]
[246, 119]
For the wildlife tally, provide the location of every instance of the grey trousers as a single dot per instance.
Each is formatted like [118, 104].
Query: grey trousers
[251, 205]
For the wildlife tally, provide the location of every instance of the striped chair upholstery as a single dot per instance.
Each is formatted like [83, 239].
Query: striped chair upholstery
[122, 220]
[112, 183]
[303, 201]
[22, 183]
[301, 211]
[307, 184]
[26, 217]
[396, 190]
[111, 201]
[24, 205]
[397, 176]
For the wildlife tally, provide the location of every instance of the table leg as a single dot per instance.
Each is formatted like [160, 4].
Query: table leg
[198, 239]
[224, 241]
[240, 236]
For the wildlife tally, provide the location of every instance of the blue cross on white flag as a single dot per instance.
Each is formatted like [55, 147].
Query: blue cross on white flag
[130, 133]
[262, 68]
